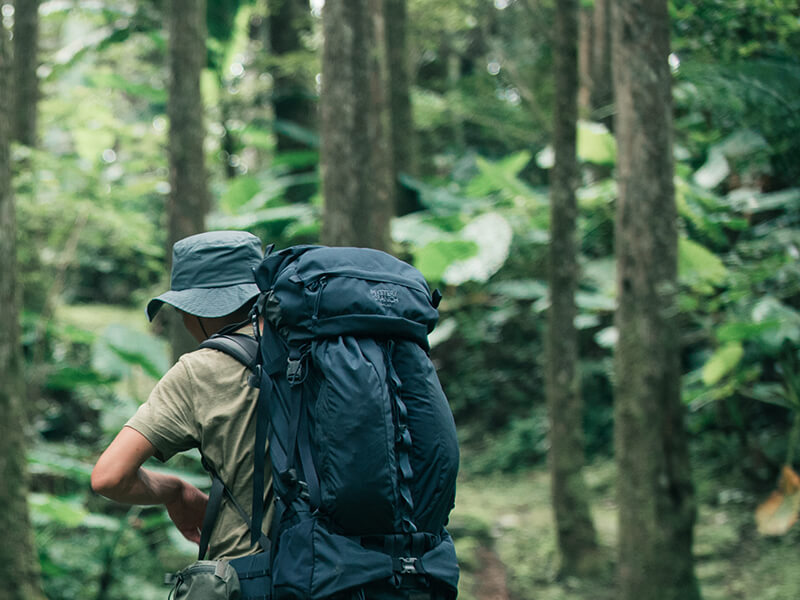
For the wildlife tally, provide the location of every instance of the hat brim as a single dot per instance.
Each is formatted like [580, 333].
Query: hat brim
[205, 302]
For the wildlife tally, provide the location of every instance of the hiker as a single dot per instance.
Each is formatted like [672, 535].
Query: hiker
[203, 401]
[345, 408]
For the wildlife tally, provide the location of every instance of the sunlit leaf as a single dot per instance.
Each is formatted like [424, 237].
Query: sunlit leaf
[50, 509]
[240, 191]
[714, 171]
[722, 362]
[596, 144]
[607, 338]
[492, 234]
[434, 258]
[778, 513]
[699, 268]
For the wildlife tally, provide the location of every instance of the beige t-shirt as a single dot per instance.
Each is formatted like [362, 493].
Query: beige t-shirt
[204, 402]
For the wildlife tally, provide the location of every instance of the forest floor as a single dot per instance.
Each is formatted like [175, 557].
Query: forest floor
[504, 533]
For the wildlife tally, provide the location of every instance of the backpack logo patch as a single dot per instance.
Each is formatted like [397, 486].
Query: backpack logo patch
[383, 296]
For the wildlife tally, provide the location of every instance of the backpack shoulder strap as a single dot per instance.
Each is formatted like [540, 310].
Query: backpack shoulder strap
[240, 346]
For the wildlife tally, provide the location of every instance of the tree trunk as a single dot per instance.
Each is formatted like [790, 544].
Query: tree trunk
[356, 131]
[602, 86]
[404, 154]
[19, 564]
[188, 198]
[26, 61]
[654, 486]
[292, 97]
[575, 530]
[585, 43]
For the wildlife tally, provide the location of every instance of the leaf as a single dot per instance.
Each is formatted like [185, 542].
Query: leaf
[698, 267]
[741, 331]
[778, 513]
[607, 338]
[240, 191]
[501, 176]
[596, 144]
[120, 347]
[770, 309]
[722, 362]
[298, 133]
[50, 509]
[714, 171]
[771, 393]
[434, 258]
[520, 289]
[492, 234]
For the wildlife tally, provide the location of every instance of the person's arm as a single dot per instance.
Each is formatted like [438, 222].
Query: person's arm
[118, 475]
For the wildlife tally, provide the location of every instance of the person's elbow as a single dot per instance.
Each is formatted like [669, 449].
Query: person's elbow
[109, 481]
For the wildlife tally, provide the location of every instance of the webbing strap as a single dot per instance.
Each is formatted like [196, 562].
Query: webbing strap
[218, 490]
[212, 512]
[307, 462]
[259, 456]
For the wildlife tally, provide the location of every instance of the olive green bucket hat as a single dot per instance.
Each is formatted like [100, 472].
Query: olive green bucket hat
[212, 274]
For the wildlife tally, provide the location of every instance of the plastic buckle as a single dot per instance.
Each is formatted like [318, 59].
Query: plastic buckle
[254, 380]
[294, 371]
[408, 565]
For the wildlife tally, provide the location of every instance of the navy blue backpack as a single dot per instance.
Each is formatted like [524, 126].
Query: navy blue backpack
[361, 438]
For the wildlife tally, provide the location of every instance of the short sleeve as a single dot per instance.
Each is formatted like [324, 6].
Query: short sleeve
[168, 418]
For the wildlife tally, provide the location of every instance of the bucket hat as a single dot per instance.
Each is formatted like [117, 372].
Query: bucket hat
[212, 274]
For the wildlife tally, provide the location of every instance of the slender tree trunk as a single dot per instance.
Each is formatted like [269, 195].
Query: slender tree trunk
[19, 564]
[602, 90]
[188, 198]
[26, 61]
[654, 486]
[356, 131]
[292, 96]
[404, 154]
[576, 535]
[585, 43]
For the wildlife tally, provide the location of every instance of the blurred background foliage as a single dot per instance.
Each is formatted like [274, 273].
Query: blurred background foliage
[92, 234]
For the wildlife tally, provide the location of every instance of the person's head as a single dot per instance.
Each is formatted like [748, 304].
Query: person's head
[212, 282]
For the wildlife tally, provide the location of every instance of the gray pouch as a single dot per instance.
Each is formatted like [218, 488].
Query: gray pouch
[205, 580]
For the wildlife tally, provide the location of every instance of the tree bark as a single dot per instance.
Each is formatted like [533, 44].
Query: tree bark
[575, 530]
[654, 486]
[26, 61]
[404, 153]
[585, 43]
[356, 130]
[292, 97]
[602, 86]
[188, 198]
[19, 564]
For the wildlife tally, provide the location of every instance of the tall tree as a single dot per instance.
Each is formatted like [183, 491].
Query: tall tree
[404, 153]
[292, 96]
[356, 130]
[188, 197]
[585, 43]
[602, 84]
[26, 61]
[575, 530]
[19, 565]
[654, 486]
